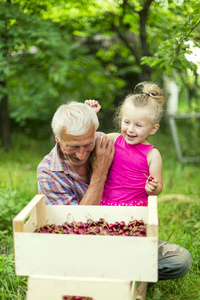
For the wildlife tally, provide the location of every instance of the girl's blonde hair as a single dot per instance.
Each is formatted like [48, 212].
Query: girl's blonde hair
[146, 95]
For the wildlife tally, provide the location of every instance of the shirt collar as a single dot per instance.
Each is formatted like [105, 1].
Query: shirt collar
[57, 163]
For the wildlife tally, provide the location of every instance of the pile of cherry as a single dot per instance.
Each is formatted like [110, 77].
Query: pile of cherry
[100, 227]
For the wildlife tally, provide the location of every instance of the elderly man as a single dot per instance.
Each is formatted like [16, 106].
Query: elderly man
[74, 172]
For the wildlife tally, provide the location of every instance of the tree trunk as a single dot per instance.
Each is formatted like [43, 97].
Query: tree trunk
[146, 70]
[5, 131]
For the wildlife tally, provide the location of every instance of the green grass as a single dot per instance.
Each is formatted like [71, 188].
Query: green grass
[178, 208]
[18, 185]
[179, 223]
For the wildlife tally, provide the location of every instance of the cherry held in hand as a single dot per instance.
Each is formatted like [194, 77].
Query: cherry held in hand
[150, 178]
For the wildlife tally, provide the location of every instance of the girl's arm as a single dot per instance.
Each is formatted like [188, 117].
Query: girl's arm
[154, 186]
[113, 136]
[96, 106]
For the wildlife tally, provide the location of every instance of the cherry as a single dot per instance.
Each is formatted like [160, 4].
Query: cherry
[80, 224]
[116, 224]
[101, 221]
[122, 223]
[110, 226]
[140, 222]
[81, 231]
[150, 178]
[126, 233]
[76, 230]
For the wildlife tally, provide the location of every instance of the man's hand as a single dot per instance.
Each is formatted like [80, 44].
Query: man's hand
[94, 104]
[102, 156]
[101, 161]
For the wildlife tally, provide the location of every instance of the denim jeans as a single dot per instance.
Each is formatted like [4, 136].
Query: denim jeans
[173, 261]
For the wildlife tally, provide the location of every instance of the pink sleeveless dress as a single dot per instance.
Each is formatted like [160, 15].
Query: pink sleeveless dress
[125, 184]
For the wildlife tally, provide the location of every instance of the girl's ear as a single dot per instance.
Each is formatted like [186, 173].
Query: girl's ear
[154, 129]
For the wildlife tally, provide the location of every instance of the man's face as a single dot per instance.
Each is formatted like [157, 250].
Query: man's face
[77, 149]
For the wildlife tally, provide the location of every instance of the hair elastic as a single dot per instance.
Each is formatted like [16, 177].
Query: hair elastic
[150, 95]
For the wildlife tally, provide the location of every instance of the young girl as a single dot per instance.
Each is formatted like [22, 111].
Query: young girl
[136, 171]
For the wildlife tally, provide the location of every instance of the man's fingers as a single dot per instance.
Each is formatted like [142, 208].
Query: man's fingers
[106, 142]
[97, 142]
[104, 145]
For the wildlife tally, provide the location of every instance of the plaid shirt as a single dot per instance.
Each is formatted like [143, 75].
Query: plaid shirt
[58, 182]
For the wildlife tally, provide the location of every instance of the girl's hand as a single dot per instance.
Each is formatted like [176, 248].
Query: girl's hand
[94, 104]
[151, 186]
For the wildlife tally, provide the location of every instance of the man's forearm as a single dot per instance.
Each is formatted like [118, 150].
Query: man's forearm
[101, 162]
[95, 190]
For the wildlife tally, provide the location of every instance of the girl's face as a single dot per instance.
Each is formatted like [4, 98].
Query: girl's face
[136, 124]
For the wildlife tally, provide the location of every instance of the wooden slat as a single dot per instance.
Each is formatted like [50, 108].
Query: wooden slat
[152, 228]
[19, 220]
[130, 258]
[54, 288]
[41, 213]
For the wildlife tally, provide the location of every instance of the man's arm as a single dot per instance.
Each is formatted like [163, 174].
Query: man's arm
[58, 189]
[101, 161]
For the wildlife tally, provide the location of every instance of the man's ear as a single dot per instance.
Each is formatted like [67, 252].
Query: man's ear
[154, 129]
[56, 139]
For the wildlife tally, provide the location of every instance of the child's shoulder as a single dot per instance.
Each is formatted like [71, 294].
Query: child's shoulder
[113, 135]
[154, 154]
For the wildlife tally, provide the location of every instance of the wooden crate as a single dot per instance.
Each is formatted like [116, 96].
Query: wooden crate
[114, 257]
[55, 287]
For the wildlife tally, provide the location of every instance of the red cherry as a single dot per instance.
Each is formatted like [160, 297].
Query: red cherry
[150, 178]
[76, 230]
[80, 224]
[110, 226]
[122, 223]
[81, 231]
[116, 224]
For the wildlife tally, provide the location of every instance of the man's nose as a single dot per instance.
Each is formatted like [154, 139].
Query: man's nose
[81, 154]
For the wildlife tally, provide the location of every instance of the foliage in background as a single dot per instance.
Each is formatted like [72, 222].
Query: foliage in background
[54, 51]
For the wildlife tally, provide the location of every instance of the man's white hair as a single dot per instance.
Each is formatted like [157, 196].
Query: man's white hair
[74, 117]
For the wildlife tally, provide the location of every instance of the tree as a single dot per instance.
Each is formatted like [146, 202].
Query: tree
[19, 33]
[138, 40]
[59, 50]
[42, 66]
